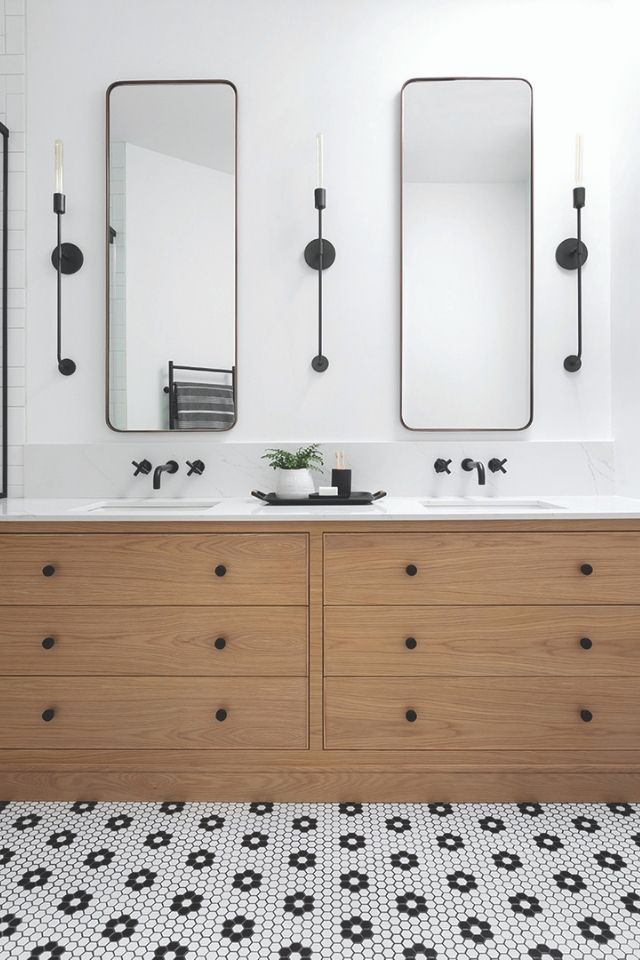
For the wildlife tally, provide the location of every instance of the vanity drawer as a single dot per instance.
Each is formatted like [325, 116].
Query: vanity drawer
[170, 641]
[482, 641]
[87, 568]
[482, 568]
[484, 714]
[147, 712]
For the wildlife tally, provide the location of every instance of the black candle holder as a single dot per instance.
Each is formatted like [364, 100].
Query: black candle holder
[66, 258]
[319, 255]
[572, 254]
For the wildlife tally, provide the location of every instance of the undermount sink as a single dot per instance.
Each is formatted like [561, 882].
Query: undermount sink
[505, 503]
[151, 505]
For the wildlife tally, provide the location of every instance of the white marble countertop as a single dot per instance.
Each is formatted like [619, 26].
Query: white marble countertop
[390, 508]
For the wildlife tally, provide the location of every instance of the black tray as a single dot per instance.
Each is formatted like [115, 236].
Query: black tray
[356, 499]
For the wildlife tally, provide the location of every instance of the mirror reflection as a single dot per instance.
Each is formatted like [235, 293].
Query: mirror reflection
[466, 254]
[171, 252]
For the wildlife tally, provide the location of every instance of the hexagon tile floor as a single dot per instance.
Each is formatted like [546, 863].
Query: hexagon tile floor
[267, 881]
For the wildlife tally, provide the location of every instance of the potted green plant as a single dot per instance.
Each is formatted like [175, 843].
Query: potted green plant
[293, 470]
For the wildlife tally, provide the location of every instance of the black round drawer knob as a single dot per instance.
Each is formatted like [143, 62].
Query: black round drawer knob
[411, 716]
[586, 569]
[221, 715]
[586, 716]
[220, 643]
[586, 643]
[48, 570]
[48, 715]
[411, 643]
[220, 570]
[48, 642]
[411, 570]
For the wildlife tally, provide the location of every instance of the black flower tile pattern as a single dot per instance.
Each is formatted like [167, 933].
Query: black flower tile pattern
[269, 881]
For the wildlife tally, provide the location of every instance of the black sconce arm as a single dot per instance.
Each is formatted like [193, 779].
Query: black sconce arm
[66, 258]
[319, 255]
[572, 254]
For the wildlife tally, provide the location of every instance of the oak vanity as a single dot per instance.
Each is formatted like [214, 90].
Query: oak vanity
[323, 659]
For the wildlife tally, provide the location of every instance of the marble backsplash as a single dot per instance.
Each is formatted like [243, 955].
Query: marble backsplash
[402, 469]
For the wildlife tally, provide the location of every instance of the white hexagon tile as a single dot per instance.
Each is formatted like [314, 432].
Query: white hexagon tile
[263, 881]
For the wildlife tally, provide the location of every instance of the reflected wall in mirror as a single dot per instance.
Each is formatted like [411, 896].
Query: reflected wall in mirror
[171, 255]
[467, 254]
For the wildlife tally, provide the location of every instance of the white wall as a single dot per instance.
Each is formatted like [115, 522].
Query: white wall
[300, 68]
[179, 276]
[625, 248]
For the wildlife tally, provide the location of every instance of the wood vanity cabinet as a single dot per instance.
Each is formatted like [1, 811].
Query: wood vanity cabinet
[320, 661]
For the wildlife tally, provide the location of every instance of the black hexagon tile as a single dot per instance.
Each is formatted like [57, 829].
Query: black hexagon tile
[268, 881]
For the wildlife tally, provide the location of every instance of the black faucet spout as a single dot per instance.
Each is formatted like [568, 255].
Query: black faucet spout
[468, 464]
[169, 467]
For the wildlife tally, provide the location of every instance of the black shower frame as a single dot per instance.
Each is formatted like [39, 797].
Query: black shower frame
[4, 133]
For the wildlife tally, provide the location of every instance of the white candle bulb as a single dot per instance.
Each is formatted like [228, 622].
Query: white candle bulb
[579, 160]
[320, 158]
[58, 168]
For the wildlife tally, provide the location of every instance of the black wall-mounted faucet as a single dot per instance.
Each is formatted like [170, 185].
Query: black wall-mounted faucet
[169, 467]
[468, 464]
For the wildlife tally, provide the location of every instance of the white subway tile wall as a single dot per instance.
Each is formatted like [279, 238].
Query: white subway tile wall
[12, 113]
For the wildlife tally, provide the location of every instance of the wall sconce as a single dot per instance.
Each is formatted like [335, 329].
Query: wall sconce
[66, 258]
[320, 254]
[572, 254]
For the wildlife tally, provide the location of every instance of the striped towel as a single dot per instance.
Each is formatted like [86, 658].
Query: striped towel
[203, 406]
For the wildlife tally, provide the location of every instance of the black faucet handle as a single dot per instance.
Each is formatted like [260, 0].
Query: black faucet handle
[143, 467]
[441, 466]
[496, 465]
[195, 466]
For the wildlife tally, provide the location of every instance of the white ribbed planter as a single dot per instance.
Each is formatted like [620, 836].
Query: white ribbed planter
[294, 483]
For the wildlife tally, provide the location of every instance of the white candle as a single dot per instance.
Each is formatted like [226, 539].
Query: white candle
[58, 168]
[579, 160]
[320, 158]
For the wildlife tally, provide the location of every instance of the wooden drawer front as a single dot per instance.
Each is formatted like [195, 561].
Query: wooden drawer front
[479, 568]
[169, 641]
[483, 714]
[154, 568]
[482, 641]
[147, 712]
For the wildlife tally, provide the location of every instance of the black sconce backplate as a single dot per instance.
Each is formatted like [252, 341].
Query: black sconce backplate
[312, 254]
[66, 367]
[72, 258]
[571, 254]
[319, 363]
[572, 363]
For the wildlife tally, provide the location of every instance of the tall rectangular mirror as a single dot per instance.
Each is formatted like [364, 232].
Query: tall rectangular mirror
[467, 254]
[171, 255]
